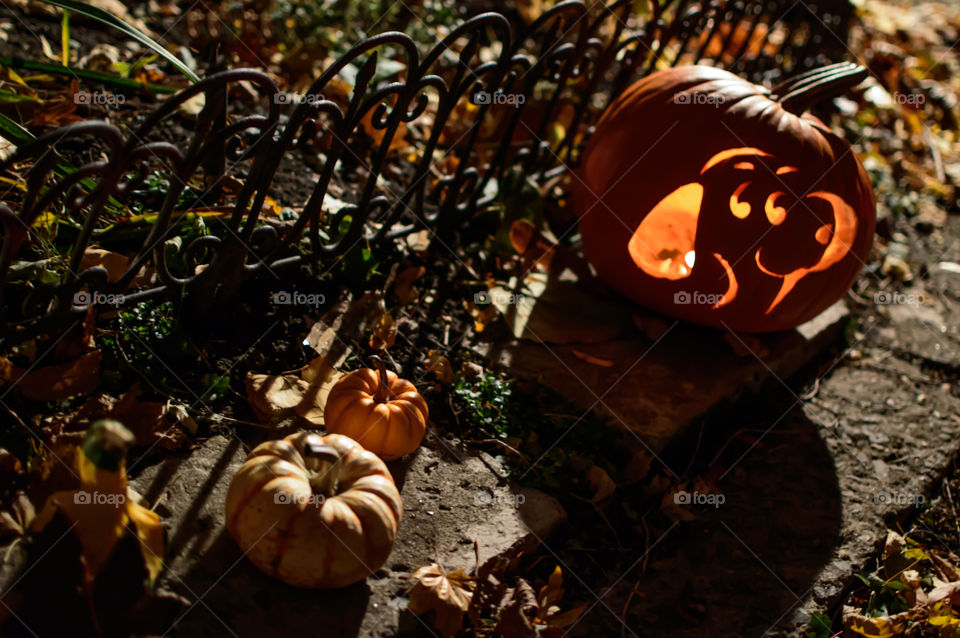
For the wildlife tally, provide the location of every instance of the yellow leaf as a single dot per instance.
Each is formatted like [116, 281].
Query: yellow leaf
[552, 592]
[150, 532]
[101, 508]
[384, 333]
[440, 366]
[884, 627]
[448, 595]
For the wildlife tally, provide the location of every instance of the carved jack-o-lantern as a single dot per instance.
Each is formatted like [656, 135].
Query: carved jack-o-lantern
[711, 199]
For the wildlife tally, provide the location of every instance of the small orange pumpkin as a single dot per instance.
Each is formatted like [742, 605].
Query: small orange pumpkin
[381, 411]
[314, 511]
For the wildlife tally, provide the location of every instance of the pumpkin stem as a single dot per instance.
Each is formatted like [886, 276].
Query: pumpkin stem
[801, 92]
[325, 478]
[383, 390]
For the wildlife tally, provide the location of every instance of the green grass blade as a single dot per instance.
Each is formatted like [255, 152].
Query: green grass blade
[13, 132]
[83, 74]
[111, 20]
[65, 38]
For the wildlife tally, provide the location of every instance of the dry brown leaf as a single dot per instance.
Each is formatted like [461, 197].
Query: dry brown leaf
[321, 377]
[482, 316]
[384, 333]
[549, 598]
[601, 483]
[154, 422]
[9, 464]
[638, 467]
[275, 397]
[883, 627]
[114, 263]
[52, 383]
[517, 612]
[403, 288]
[440, 366]
[530, 243]
[447, 595]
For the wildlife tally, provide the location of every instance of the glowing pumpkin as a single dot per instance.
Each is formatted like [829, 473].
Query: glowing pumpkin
[713, 200]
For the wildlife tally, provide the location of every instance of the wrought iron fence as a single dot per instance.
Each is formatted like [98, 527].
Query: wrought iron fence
[483, 100]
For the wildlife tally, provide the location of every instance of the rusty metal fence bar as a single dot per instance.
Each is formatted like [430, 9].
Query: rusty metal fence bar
[532, 105]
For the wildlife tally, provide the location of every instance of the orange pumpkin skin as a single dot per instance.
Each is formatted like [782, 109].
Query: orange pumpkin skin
[390, 422]
[321, 521]
[703, 198]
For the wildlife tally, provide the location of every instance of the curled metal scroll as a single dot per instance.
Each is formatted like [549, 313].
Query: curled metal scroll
[555, 77]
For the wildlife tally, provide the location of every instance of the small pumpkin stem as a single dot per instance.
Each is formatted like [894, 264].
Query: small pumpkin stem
[800, 93]
[325, 479]
[383, 390]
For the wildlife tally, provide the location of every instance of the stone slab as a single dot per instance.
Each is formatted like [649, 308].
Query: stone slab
[656, 387]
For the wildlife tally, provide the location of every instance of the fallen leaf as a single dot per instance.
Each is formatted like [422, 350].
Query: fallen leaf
[601, 483]
[17, 521]
[114, 263]
[153, 422]
[275, 397]
[321, 378]
[191, 108]
[9, 464]
[419, 241]
[440, 366]
[531, 244]
[101, 508]
[384, 333]
[549, 598]
[638, 467]
[517, 612]
[882, 627]
[447, 595]
[403, 288]
[52, 383]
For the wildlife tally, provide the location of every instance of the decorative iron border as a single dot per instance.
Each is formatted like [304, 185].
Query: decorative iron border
[572, 58]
